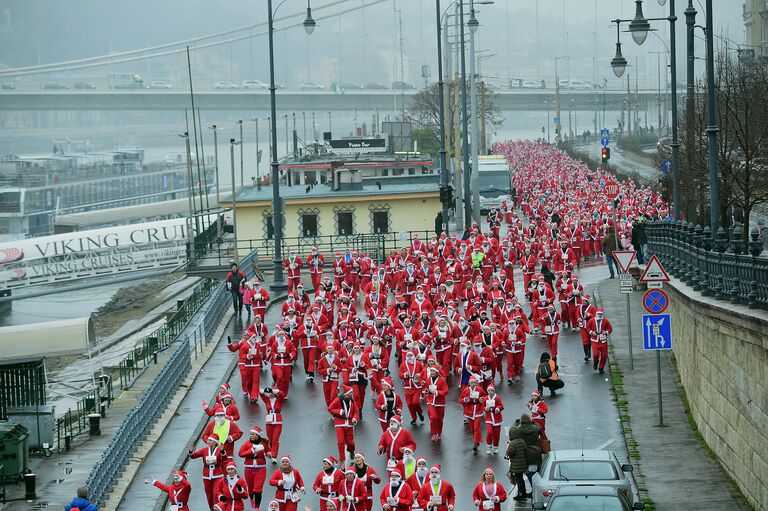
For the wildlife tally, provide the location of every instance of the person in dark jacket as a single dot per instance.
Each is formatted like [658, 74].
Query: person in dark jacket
[639, 238]
[235, 279]
[531, 433]
[81, 502]
[439, 223]
[609, 245]
[518, 464]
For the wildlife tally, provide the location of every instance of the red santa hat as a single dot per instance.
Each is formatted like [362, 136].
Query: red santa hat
[226, 395]
[489, 469]
[535, 393]
[213, 436]
[350, 470]
[332, 504]
[256, 430]
[361, 454]
[348, 389]
[218, 409]
[330, 460]
[388, 382]
[436, 466]
[395, 471]
[225, 386]
[396, 418]
[490, 387]
[473, 379]
[256, 282]
[420, 459]
[231, 464]
[285, 457]
[600, 310]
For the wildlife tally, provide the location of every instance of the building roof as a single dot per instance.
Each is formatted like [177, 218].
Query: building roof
[399, 185]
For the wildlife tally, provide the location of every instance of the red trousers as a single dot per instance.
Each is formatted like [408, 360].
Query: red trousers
[413, 402]
[542, 423]
[273, 435]
[436, 414]
[345, 440]
[293, 282]
[600, 353]
[552, 342]
[565, 313]
[310, 358]
[330, 389]
[208, 484]
[260, 311]
[287, 506]
[492, 434]
[476, 425]
[254, 478]
[499, 369]
[584, 336]
[376, 376]
[251, 379]
[282, 377]
[444, 358]
[316, 278]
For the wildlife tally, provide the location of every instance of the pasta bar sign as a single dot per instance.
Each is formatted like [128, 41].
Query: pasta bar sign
[358, 145]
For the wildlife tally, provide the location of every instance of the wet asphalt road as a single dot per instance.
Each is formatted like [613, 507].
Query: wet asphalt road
[582, 414]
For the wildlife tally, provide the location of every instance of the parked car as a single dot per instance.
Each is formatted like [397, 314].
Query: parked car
[346, 86]
[160, 84]
[533, 84]
[403, 86]
[376, 86]
[312, 86]
[83, 86]
[55, 86]
[581, 85]
[254, 84]
[224, 85]
[588, 498]
[580, 467]
[8, 86]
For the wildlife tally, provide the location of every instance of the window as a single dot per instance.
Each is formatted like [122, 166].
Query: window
[309, 223]
[344, 221]
[381, 222]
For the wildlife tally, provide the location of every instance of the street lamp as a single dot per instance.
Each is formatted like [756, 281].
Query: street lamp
[309, 23]
[639, 26]
[472, 24]
[277, 204]
[618, 62]
[444, 188]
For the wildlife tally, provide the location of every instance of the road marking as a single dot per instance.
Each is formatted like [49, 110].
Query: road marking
[604, 445]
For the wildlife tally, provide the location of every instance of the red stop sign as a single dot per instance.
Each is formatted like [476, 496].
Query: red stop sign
[611, 189]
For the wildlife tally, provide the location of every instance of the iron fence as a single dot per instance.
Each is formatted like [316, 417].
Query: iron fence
[138, 423]
[75, 422]
[715, 266]
[378, 246]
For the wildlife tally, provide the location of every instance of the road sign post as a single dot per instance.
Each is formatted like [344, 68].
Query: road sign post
[657, 336]
[624, 260]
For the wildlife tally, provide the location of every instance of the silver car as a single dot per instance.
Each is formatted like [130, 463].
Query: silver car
[588, 498]
[576, 467]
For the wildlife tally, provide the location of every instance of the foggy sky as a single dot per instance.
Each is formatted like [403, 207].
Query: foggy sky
[363, 46]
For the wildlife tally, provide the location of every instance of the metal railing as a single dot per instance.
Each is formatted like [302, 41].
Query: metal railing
[715, 266]
[143, 355]
[138, 423]
[378, 246]
[75, 422]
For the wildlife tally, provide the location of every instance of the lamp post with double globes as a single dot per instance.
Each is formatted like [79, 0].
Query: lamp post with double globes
[277, 204]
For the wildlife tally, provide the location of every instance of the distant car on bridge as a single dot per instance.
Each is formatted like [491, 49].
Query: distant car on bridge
[403, 86]
[55, 86]
[160, 84]
[83, 86]
[225, 85]
[533, 84]
[312, 86]
[254, 84]
[126, 81]
[376, 86]
[346, 86]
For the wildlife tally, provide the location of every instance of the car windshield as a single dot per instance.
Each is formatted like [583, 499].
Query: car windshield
[585, 503]
[584, 471]
[493, 184]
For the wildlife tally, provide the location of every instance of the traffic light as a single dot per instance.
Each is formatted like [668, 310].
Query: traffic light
[606, 154]
[446, 194]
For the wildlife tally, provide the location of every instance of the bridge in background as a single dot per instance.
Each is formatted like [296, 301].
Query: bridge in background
[319, 101]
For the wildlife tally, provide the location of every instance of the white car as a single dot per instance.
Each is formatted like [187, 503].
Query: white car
[225, 85]
[312, 86]
[254, 84]
[160, 84]
[532, 84]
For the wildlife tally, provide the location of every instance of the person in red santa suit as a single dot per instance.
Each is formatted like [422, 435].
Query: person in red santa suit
[231, 490]
[396, 495]
[282, 353]
[292, 266]
[435, 390]
[340, 270]
[487, 360]
[489, 494]
[538, 409]
[357, 375]
[258, 330]
[416, 480]
[388, 403]
[378, 358]
[442, 336]
[315, 263]
[420, 303]
[213, 459]
[408, 281]
[317, 316]
[368, 476]
[178, 491]
[254, 452]
[493, 420]
[563, 296]
[273, 406]
[599, 329]
[227, 403]
[528, 265]
[352, 492]
[550, 322]
[245, 374]
[542, 297]
[473, 400]
[436, 494]
[565, 257]
[330, 367]
[507, 257]
[467, 365]
[410, 372]
[327, 481]
[250, 360]
[575, 292]
[345, 415]
[393, 442]
[226, 430]
[307, 337]
[259, 300]
[584, 312]
[289, 484]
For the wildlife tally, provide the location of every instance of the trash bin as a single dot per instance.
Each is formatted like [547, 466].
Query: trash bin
[14, 450]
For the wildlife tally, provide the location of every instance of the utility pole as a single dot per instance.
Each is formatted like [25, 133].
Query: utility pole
[258, 156]
[242, 171]
[232, 144]
[216, 161]
[474, 181]
[464, 135]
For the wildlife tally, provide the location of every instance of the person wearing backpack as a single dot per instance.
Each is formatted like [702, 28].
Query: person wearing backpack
[518, 464]
[546, 375]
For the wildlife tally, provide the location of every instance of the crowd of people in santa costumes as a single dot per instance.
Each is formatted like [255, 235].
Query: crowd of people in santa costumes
[431, 327]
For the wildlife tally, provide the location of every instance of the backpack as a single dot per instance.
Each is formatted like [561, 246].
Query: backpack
[545, 370]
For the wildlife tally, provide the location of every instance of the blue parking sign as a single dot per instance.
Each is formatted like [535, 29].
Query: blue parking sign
[657, 332]
[666, 166]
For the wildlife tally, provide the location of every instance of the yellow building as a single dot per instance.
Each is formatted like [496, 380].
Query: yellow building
[346, 204]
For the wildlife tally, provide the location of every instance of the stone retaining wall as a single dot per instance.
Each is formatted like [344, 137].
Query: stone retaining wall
[722, 356]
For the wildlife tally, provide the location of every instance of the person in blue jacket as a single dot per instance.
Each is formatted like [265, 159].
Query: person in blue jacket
[81, 502]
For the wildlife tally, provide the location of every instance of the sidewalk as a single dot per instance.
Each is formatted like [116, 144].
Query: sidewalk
[672, 468]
